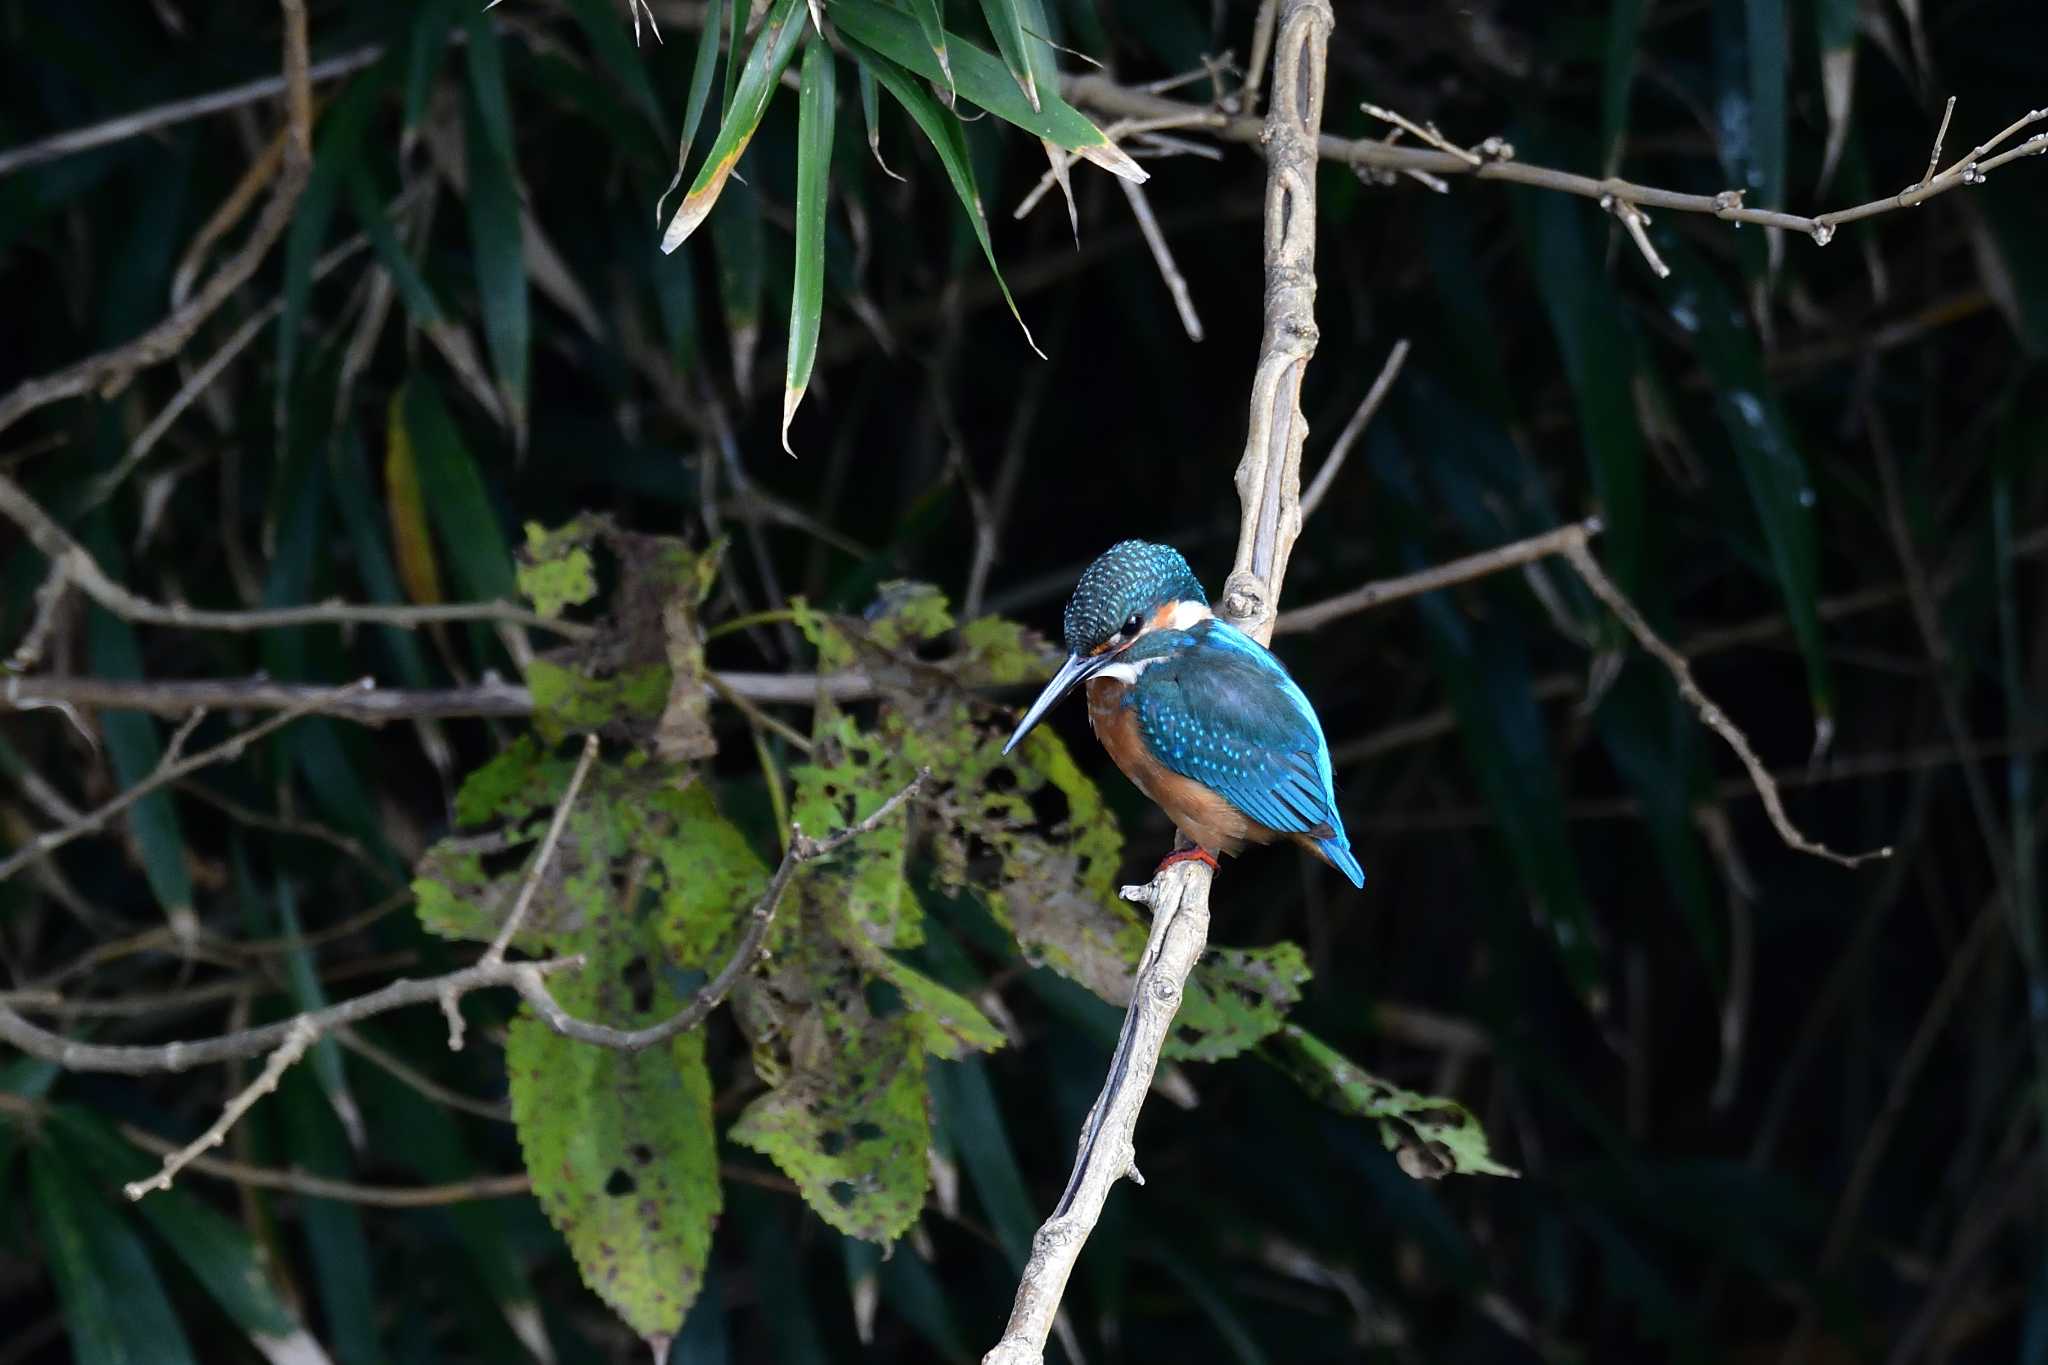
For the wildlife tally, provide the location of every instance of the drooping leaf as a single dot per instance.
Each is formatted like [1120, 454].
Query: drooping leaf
[981, 78]
[1006, 26]
[478, 555]
[1240, 997]
[943, 131]
[1432, 1136]
[114, 1304]
[815, 113]
[701, 72]
[932, 25]
[219, 1253]
[774, 44]
[1773, 470]
[739, 242]
[497, 243]
[620, 1145]
[406, 507]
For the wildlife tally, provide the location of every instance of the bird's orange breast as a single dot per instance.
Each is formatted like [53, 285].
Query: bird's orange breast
[1199, 813]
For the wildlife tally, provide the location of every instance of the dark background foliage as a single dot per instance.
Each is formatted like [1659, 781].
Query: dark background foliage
[1761, 1104]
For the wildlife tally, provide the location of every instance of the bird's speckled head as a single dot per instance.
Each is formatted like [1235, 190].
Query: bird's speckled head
[1120, 593]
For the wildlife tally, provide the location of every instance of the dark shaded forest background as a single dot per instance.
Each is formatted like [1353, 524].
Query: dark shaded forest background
[1764, 1107]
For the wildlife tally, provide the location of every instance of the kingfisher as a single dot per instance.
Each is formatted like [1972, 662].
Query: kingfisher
[1201, 717]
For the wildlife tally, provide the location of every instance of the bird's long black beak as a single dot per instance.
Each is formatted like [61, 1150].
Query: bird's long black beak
[1076, 670]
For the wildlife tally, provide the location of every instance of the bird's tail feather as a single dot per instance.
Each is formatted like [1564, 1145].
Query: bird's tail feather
[1338, 854]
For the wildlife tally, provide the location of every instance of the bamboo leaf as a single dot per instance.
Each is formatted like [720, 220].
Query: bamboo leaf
[113, 1301]
[1006, 26]
[1773, 469]
[739, 242]
[701, 72]
[479, 557]
[983, 80]
[816, 109]
[932, 25]
[774, 45]
[219, 1253]
[406, 506]
[500, 255]
[943, 131]
[871, 116]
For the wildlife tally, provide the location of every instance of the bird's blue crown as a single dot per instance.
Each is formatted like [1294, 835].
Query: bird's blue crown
[1133, 578]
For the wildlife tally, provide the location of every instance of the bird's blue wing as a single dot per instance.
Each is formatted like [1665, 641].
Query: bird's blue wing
[1220, 709]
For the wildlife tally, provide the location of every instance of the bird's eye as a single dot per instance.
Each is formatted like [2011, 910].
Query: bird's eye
[1131, 626]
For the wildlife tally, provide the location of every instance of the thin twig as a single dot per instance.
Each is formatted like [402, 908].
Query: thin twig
[171, 769]
[83, 570]
[1354, 428]
[530, 883]
[1635, 220]
[1385, 590]
[1712, 716]
[802, 849]
[1162, 256]
[1425, 132]
[300, 1036]
[161, 116]
[490, 698]
[1948, 112]
[110, 370]
[1269, 486]
[1106, 96]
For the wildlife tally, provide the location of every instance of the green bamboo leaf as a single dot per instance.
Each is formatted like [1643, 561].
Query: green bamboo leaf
[487, 82]
[219, 1252]
[1434, 1136]
[478, 555]
[134, 749]
[774, 45]
[1768, 48]
[1773, 470]
[933, 26]
[113, 1301]
[788, 1304]
[337, 146]
[1600, 361]
[1624, 33]
[334, 1231]
[701, 73]
[498, 247]
[871, 116]
[816, 109]
[967, 1108]
[370, 211]
[983, 80]
[429, 41]
[309, 996]
[1006, 26]
[1487, 675]
[943, 131]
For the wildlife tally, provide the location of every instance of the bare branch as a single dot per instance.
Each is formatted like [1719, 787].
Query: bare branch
[1385, 590]
[109, 371]
[491, 698]
[531, 882]
[1269, 488]
[1104, 95]
[82, 569]
[173, 767]
[1354, 428]
[1712, 716]
[802, 849]
[17, 1031]
[300, 1036]
[1162, 256]
[161, 116]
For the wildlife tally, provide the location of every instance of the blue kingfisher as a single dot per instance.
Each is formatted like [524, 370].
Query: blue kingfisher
[1198, 714]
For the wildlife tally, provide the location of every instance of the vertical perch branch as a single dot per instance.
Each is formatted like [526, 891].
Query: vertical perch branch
[1269, 493]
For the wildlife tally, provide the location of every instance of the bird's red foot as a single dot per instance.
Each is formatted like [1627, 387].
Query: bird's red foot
[1182, 855]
